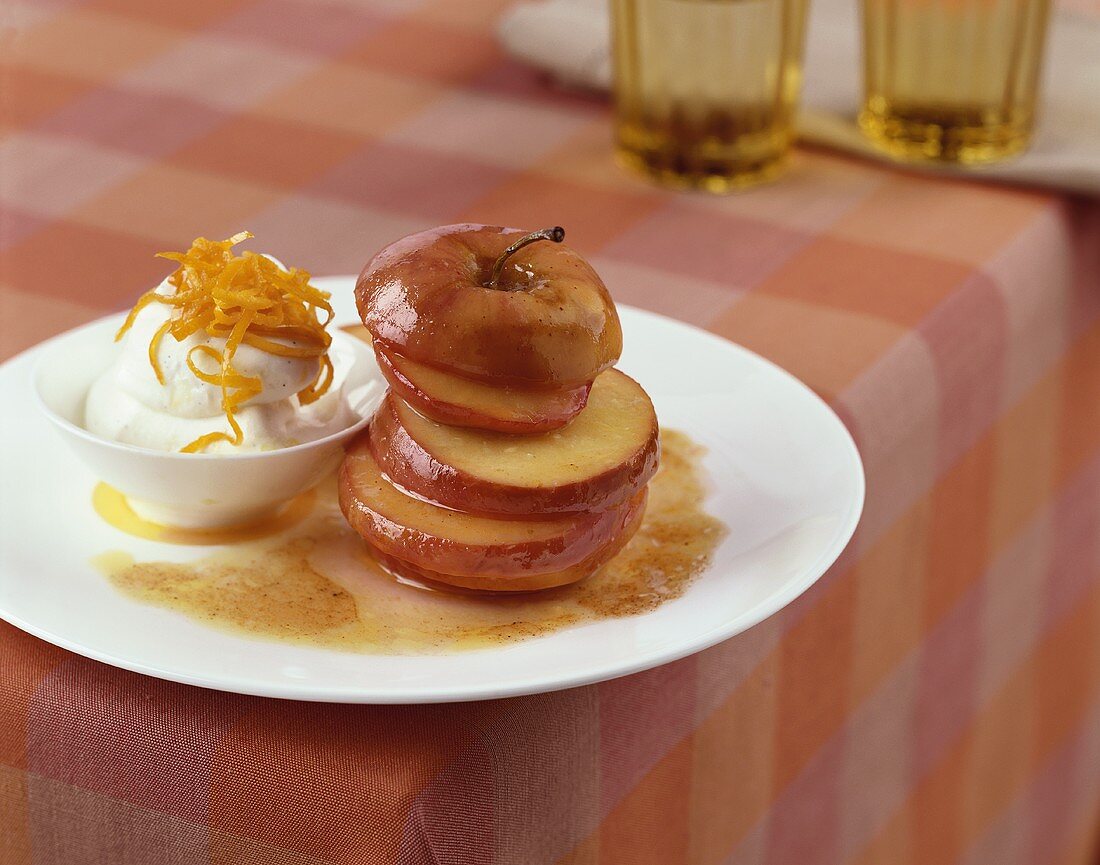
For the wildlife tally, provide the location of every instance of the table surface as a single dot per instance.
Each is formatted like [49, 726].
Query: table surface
[933, 699]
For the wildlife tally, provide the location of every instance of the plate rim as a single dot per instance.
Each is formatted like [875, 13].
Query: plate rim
[354, 694]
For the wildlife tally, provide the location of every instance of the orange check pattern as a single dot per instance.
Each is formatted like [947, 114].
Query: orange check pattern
[934, 699]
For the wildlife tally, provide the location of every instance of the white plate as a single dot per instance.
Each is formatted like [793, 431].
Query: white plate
[786, 479]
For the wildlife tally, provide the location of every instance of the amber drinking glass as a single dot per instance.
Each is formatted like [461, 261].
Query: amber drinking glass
[705, 90]
[952, 80]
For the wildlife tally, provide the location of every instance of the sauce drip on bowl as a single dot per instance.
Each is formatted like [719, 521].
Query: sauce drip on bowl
[315, 583]
[113, 508]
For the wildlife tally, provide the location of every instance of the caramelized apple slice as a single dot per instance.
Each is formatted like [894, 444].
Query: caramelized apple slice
[548, 319]
[605, 455]
[525, 582]
[449, 541]
[457, 401]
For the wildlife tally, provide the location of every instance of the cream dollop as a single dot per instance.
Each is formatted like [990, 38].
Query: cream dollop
[127, 404]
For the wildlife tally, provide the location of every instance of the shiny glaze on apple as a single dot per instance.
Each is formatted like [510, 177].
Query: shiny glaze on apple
[451, 399]
[451, 541]
[607, 454]
[550, 322]
[523, 581]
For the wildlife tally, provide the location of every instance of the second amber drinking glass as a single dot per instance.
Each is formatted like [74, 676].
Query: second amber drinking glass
[705, 90]
[952, 80]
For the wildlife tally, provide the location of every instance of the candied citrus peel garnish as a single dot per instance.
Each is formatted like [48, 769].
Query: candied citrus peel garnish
[245, 299]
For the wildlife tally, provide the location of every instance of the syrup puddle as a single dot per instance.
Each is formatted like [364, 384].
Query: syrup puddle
[314, 583]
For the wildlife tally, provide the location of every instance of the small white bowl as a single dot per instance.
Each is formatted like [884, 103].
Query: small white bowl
[192, 490]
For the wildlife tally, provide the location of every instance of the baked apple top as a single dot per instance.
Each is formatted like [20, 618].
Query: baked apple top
[491, 303]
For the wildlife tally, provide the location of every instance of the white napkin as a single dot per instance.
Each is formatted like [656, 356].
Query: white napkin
[570, 39]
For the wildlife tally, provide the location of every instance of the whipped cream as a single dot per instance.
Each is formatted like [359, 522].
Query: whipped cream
[127, 404]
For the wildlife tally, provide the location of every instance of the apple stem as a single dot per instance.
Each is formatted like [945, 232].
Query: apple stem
[555, 234]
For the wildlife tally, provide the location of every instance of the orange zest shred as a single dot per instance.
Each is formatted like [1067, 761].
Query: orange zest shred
[245, 299]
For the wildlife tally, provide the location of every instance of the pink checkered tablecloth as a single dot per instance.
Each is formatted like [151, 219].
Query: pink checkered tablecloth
[935, 698]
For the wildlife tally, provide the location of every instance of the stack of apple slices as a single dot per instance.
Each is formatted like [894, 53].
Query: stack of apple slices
[507, 455]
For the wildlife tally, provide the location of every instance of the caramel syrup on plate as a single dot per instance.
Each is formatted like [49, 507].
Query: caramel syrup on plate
[314, 583]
